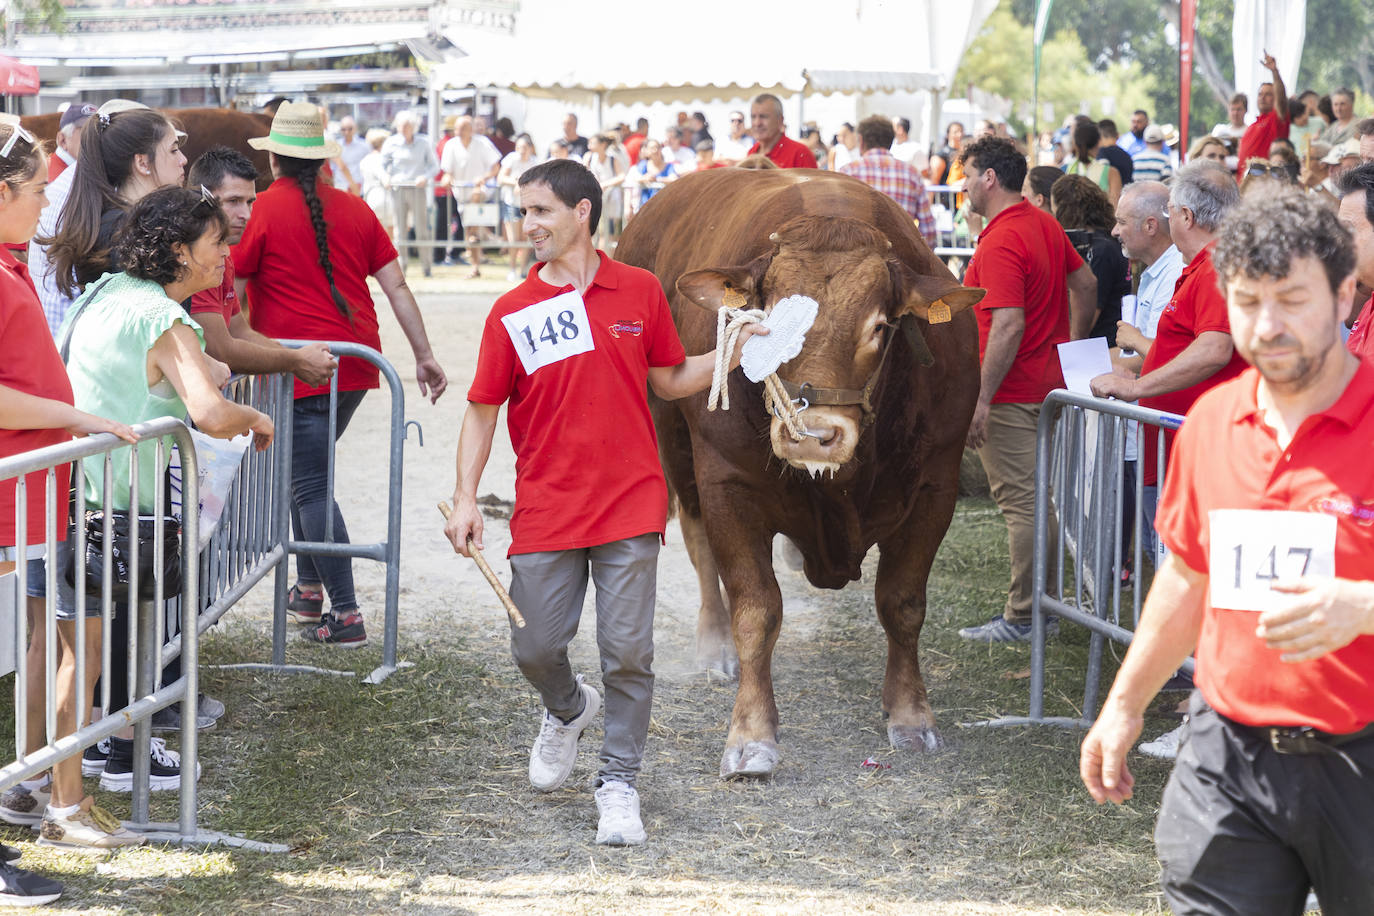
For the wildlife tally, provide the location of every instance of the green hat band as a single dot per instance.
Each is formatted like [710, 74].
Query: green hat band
[296, 141]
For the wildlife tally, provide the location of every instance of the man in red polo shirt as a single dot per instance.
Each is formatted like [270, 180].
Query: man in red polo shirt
[230, 176]
[1272, 123]
[1038, 288]
[573, 385]
[1267, 515]
[765, 117]
[1192, 351]
[1356, 213]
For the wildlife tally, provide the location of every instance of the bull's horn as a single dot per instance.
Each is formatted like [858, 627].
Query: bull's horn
[773, 237]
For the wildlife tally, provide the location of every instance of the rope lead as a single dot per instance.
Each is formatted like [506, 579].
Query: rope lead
[729, 323]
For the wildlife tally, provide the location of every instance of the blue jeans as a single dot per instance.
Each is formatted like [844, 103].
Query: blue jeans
[311, 500]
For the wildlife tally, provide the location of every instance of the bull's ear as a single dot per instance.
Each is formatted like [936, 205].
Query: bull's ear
[937, 299]
[719, 286]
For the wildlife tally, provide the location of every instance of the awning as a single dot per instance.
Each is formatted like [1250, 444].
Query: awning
[17, 78]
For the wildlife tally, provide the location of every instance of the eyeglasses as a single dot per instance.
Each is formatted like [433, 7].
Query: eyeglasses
[1260, 168]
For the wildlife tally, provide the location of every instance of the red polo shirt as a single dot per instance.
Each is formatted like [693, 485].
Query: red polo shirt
[1226, 458]
[586, 456]
[29, 363]
[788, 154]
[1023, 260]
[1197, 306]
[1360, 342]
[1255, 142]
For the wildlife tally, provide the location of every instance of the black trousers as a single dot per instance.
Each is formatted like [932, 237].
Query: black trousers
[1245, 830]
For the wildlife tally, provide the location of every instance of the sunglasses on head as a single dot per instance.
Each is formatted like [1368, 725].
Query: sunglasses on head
[208, 202]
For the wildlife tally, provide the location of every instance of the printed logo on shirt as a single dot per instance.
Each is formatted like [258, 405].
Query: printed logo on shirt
[549, 331]
[633, 328]
[1359, 511]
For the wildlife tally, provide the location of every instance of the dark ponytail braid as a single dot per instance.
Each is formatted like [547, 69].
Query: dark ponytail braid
[305, 172]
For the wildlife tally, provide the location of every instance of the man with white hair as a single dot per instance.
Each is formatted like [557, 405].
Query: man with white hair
[408, 162]
[734, 147]
[68, 142]
[353, 149]
[765, 114]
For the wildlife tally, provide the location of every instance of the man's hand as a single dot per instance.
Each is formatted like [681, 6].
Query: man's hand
[1268, 62]
[315, 365]
[263, 431]
[355, 189]
[745, 332]
[1111, 385]
[88, 425]
[479, 194]
[421, 181]
[978, 428]
[465, 521]
[1128, 337]
[431, 377]
[1322, 616]
[1102, 759]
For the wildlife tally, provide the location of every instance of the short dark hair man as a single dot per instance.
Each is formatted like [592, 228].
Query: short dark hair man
[1356, 212]
[766, 123]
[230, 176]
[1134, 141]
[1272, 122]
[577, 144]
[1038, 289]
[572, 385]
[1271, 792]
[1114, 154]
[879, 169]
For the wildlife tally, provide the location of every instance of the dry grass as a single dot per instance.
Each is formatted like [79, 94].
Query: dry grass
[411, 796]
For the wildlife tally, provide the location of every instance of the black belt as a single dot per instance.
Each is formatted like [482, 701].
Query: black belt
[1303, 740]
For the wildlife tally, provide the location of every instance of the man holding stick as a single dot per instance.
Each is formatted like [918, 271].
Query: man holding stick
[570, 350]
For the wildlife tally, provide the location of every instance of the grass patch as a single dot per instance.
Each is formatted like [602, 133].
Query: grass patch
[411, 795]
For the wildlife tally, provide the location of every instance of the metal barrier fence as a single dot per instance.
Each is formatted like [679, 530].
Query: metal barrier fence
[953, 238]
[1082, 447]
[146, 694]
[252, 540]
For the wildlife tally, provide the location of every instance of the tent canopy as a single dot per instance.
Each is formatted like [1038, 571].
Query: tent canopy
[17, 78]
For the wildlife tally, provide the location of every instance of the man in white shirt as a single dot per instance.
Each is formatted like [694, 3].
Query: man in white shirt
[730, 150]
[677, 151]
[469, 162]
[904, 148]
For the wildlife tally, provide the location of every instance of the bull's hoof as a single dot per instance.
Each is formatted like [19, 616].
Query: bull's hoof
[914, 738]
[720, 659]
[756, 760]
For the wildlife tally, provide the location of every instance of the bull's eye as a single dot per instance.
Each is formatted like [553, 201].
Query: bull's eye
[880, 329]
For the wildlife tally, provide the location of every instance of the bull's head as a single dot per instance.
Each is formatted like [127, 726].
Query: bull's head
[863, 291]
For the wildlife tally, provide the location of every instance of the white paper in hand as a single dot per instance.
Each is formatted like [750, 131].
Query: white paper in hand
[787, 325]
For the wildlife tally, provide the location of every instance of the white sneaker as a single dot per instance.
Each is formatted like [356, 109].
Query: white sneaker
[555, 750]
[619, 806]
[1165, 746]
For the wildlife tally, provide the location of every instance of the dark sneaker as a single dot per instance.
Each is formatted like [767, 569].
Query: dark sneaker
[9, 853]
[999, 629]
[304, 607]
[164, 772]
[94, 757]
[169, 720]
[23, 806]
[347, 633]
[23, 888]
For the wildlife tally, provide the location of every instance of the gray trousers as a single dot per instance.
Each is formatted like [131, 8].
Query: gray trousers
[549, 588]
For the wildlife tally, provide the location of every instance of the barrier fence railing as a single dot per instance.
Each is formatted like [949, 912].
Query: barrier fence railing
[953, 239]
[1090, 449]
[251, 540]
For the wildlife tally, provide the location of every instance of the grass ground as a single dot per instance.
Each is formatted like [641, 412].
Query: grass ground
[411, 796]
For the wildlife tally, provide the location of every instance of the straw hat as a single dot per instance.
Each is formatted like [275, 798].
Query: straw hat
[298, 133]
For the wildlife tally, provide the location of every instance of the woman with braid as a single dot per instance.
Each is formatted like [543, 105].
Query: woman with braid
[304, 260]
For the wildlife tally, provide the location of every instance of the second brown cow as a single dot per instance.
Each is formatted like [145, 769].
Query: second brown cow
[890, 374]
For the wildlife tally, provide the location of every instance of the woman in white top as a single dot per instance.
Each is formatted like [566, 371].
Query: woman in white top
[373, 177]
[608, 165]
[512, 167]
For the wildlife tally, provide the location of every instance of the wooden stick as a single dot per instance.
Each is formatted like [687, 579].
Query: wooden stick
[490, 576]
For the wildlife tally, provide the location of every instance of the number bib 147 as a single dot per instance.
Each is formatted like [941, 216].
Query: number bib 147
[548, 331]
[1252, 548]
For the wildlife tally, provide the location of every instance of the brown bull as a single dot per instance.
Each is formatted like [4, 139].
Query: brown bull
[205, 127]
[891, 398]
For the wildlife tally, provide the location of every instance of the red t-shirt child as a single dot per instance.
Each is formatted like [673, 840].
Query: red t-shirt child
[1023, 260]
[574, 372]
[222, 300]
[789, 154]
[287, 286]
[1197, 306]
[29, 362]
[1255, 142]
[1226, 458]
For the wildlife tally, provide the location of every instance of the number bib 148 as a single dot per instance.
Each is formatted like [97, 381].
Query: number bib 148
[548, 331]
[1252, 548]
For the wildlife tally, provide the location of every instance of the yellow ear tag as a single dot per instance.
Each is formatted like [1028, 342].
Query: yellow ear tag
[939, 312]
[734, 299]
